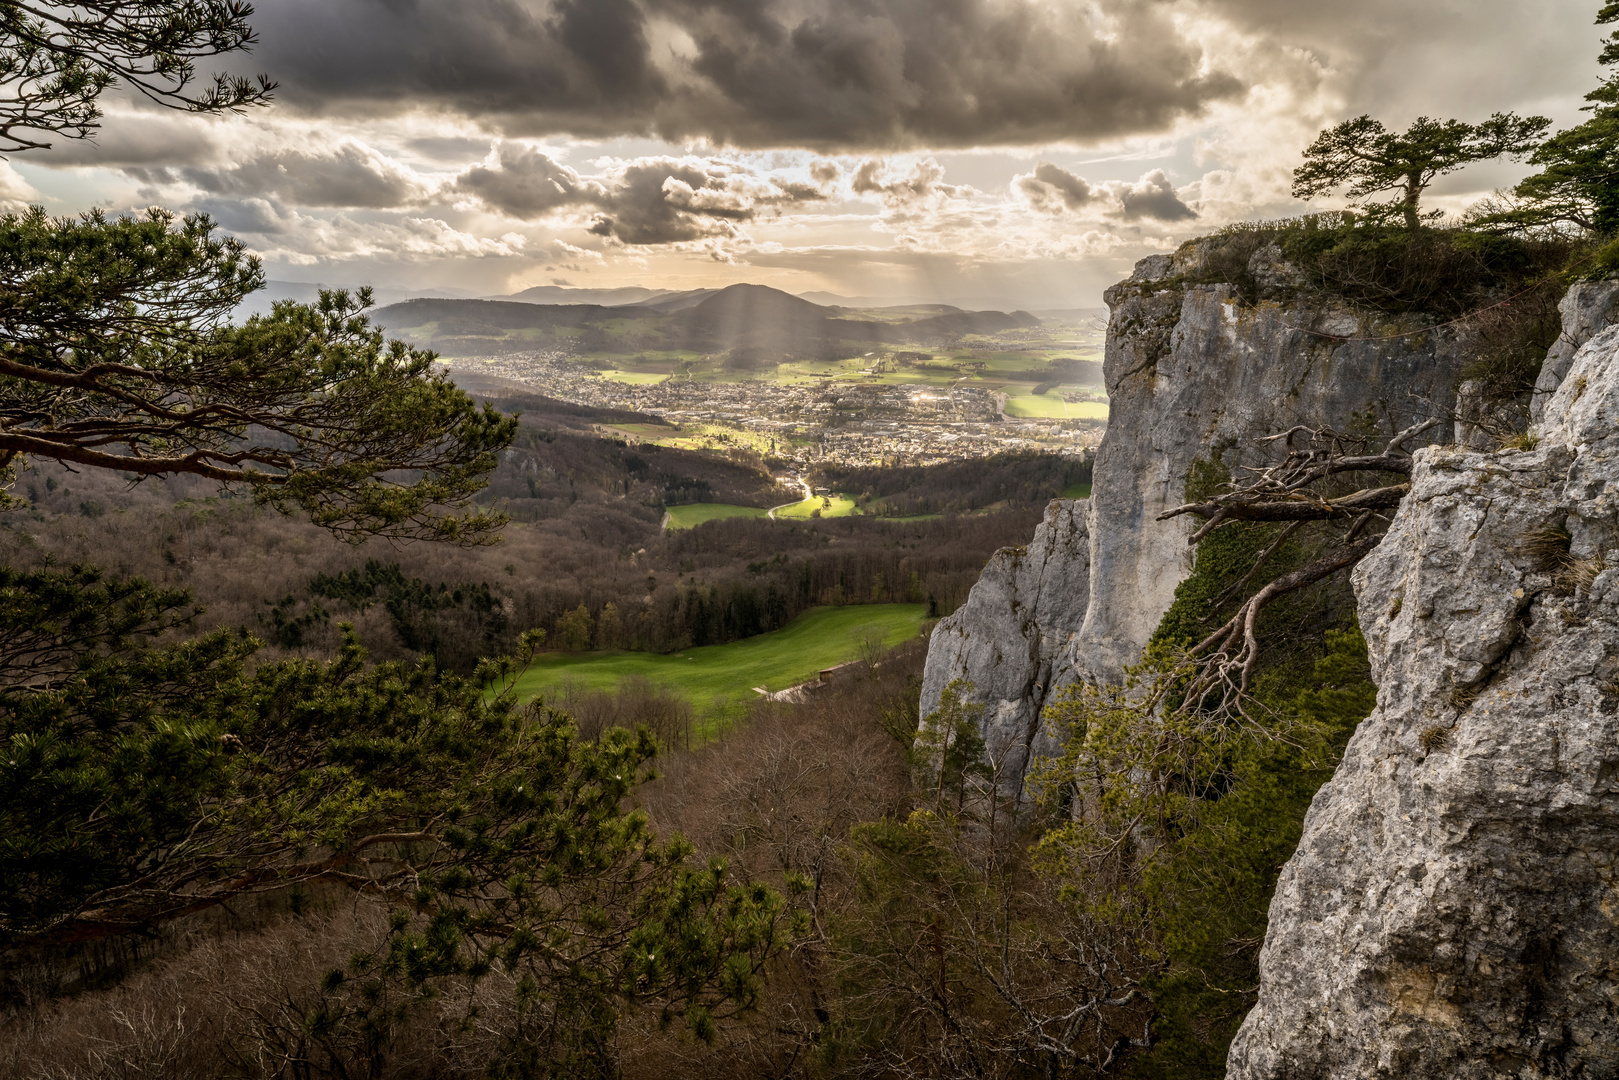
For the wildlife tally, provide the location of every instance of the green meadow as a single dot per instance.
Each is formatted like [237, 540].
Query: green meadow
[1050, 406]
[716, 674]
[694, 514]
[830, 506]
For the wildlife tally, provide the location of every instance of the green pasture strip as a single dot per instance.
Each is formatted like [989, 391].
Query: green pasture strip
[726, 674]
[694, 514]
[1077, 491]
[840, 506]
[634, 378]
[644, 431]
[1050, 407]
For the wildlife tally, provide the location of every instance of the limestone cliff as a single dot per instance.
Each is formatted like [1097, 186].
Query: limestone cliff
[1192, 370]
[1589, 308]
[1453, 907]
[1013, 634]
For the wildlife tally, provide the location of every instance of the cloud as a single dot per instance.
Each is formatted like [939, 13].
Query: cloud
[140, 137]
[646, 201]
[301, 238]
[1153, 196]
[827, 74]
[349, 175]
[921, 188]
[16, 194]
[1051, 189]
[523, 182]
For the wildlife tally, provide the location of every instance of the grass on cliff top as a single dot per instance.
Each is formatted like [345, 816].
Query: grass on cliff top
[717, 675]
[1441, 272]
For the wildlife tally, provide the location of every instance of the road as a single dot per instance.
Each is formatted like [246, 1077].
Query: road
[801, 482]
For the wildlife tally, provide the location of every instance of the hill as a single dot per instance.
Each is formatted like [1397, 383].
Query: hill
[753, 325]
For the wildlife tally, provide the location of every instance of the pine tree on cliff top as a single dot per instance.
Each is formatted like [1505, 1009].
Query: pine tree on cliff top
[1579, 181]
[1365, 158]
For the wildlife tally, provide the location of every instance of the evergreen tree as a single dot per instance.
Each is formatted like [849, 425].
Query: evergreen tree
[1366, 159]
[118, 354]
[56, 60]
[1579, 180]
[143, 781]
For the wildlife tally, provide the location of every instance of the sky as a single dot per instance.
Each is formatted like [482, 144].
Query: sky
[992, 152]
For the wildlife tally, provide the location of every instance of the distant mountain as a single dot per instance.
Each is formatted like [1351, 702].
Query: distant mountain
[308, 292]
[943, 327]
[678, 301]
[628, 296]
[894, 303]
[758, 323]
[753, 325]
[1071, 315]
[561, 294]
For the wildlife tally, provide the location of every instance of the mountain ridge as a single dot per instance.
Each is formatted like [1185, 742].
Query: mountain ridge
[753, 323]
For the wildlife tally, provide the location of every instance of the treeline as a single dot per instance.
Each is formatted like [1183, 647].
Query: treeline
[1021, 479]
[722, 582]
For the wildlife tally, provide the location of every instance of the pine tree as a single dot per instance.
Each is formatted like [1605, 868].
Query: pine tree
[1366, 159]
[1579, 180]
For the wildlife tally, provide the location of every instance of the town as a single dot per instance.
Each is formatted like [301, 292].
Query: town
[840, 421]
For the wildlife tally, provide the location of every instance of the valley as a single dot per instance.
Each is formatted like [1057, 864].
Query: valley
[753, 367]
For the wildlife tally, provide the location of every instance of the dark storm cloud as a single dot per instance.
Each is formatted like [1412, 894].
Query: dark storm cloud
[648, 201]
[584, 62]
[833, 74]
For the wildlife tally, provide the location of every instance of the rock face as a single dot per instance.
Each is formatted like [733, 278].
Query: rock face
[1453, 907]
[1589, 308]
[1191, 371]
[1011, 637]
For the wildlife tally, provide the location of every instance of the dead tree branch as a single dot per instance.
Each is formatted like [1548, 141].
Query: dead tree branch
[1219, 669]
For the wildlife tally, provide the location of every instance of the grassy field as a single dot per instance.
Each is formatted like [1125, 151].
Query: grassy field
[634, 378]
[1077, 491]
[821, 638]
[690, 516]
[830, 506]
[1050, 406]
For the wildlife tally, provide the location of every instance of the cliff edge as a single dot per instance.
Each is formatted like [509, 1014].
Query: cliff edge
[1194, 371]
